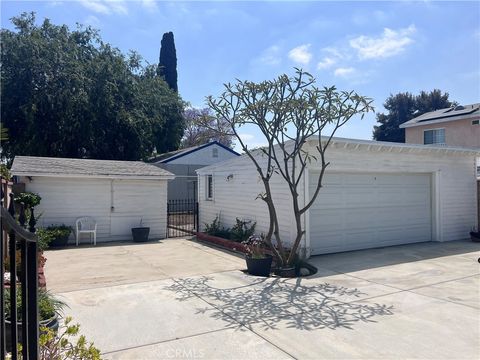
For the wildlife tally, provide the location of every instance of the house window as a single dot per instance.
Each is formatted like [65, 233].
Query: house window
[478, 171]
[475, 122]
[209, 189]
[215, 152]
[435, 136]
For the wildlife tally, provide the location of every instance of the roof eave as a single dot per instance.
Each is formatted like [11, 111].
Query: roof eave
[437, 121]
[94, 176]
[182, 154]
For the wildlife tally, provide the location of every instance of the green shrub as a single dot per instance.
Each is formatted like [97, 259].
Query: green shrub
[242, 230]
[48, 305]
[61, 346]
[28, 199]
[51, 233]
[214, 229]
[5, 172]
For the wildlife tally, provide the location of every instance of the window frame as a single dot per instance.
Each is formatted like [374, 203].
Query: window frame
[209, 187]
[434, 136]
[214, 152]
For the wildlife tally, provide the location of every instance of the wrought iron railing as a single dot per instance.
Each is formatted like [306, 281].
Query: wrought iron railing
[19, 238]
[182, 217]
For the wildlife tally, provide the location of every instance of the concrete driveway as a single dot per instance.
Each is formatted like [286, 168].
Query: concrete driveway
[180, 299]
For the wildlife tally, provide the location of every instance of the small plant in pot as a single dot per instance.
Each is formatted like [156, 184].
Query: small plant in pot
[475, 235]
[49, 310]
[55, 235]
[258, 262]
[140, 233]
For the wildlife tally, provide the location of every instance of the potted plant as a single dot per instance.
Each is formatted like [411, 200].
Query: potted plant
[258, 262]
[28, 199]
[55, 235]
[140, 234]
[475, 235]
[49, 309]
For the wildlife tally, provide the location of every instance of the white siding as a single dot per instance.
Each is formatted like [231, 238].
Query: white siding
[453, 187]
[66, 199]
[205, 156]
[236, 196]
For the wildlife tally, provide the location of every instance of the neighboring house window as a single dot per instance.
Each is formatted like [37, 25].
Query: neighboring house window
[475, 122]
[435, 136]
[215, 152]
[478, 171]
[209, 187]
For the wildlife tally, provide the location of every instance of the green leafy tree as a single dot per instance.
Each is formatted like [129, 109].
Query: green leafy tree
[69, 94]
[403, 107]
[167, 65]
[290, 112]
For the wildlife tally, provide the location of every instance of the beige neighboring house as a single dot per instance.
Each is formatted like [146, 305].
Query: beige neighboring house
[455, 126]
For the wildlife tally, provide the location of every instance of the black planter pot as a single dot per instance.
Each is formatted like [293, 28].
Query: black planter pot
[140, 234]
[475, 236]
[51, 323]
[259, 267]
[61, 241]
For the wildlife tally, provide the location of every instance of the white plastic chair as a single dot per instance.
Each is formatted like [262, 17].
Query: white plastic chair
[86, 225]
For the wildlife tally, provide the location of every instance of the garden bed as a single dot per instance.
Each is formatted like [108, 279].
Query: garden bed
[240, 248]
[224, 243]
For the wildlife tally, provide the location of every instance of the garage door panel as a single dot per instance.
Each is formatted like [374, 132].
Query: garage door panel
[357, 211]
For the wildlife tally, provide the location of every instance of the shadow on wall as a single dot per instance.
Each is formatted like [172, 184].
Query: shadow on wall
[280, 302]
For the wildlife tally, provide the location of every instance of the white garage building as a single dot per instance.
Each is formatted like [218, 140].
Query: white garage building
[119, 195]
[375, 194]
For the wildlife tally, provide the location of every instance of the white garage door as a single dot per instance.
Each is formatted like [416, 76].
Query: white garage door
[359, 211]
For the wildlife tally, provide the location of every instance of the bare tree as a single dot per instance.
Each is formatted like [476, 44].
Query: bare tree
[289, 112]
[198, 124]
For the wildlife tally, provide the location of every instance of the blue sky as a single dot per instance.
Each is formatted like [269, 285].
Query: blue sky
[375, 48]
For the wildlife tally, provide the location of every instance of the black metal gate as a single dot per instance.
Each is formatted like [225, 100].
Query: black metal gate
[182, 217]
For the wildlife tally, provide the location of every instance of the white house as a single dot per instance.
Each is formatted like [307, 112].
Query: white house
[375, 194]
[184, 162]
[119, 195]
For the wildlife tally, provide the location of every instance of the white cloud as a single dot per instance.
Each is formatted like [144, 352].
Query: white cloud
[54, 3]
[344, 72]
[250, 140]
[92, 21]
[326, 63]
[390, 43]
[150, 5]
[271, 55]
[106, 6]
[301, 54]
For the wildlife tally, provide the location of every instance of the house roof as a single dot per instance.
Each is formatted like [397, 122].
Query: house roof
[448, 114]
[64, 167]
[173, 155]
[371, 145]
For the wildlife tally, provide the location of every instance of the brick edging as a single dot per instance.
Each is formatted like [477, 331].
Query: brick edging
[228, 244]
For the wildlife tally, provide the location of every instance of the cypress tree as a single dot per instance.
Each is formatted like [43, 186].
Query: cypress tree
[167, 67]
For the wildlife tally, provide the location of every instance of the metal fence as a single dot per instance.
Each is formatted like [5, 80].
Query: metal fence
[20, 237]
[182, 217]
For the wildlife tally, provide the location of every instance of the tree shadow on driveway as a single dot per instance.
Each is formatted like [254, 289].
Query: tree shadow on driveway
[273, 303]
